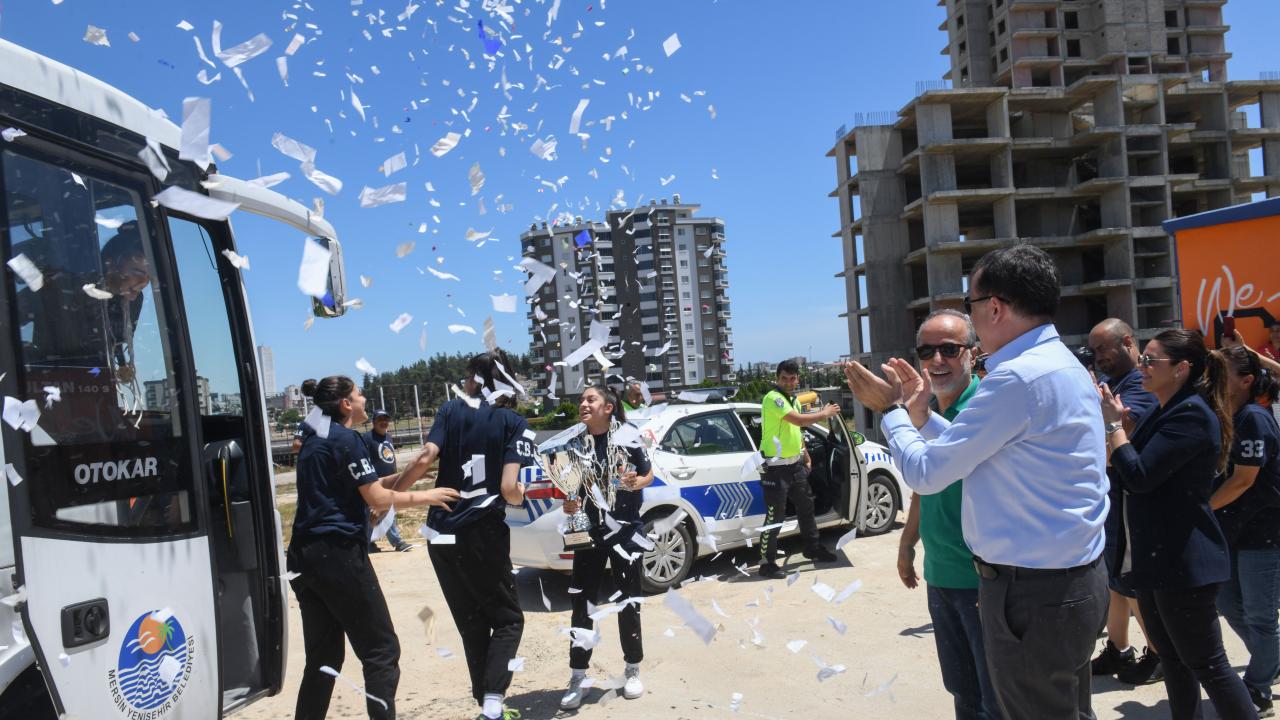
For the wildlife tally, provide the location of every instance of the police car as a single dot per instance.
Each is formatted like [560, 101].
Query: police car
[703, 475]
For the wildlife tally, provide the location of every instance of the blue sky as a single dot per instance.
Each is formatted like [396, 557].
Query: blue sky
[780, 76]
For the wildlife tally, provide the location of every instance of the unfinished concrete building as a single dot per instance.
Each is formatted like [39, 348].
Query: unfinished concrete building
[1075, 126]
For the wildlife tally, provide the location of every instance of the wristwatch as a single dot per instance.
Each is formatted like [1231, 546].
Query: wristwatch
[893, 407]
[1113, 427]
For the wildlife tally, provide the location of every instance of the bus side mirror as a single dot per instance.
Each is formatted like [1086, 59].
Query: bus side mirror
[333, 304]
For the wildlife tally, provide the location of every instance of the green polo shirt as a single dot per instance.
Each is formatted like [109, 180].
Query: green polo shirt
[948, 561]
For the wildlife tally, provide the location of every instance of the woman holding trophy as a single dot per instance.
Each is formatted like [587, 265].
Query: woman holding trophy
[610, 477]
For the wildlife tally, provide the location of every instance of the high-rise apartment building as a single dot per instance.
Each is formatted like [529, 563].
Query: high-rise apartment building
[268, 365]
[655, 276]
[1075, 126]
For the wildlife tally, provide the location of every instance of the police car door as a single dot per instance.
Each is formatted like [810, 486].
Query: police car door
[112, 554]
[848, 464]
[703, 454]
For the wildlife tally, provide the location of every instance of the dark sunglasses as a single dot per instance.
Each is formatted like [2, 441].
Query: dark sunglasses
[949, 350]
[970, 302]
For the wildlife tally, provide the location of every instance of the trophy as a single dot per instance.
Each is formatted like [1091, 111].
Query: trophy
[569, 461]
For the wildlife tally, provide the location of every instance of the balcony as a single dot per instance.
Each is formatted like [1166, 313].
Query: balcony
[722, 284]
[717, 237]
[724, 315]
[663, 221]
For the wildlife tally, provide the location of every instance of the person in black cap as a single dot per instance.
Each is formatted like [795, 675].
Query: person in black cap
[383, 453]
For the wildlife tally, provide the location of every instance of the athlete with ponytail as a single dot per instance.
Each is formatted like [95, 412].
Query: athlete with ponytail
[1248, 505]
[481, 443]
[337, 590]
[1171, 550]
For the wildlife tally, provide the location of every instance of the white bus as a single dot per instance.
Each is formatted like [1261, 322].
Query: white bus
[140, 558]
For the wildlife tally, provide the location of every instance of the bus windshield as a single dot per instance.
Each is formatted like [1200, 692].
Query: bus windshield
[94, 351]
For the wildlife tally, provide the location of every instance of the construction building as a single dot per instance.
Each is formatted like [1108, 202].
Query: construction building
[1076, 126]
[655, 276]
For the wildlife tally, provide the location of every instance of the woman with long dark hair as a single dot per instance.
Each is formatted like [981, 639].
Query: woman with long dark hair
[337, 590]
[1248, 508]
[1172, 550]
[481, 442]
[614, 532]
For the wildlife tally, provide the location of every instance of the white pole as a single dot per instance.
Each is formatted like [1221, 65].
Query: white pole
[382, 399]
[418, 412]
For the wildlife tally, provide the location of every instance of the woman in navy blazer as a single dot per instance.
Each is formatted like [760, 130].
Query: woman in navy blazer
[1172, 550]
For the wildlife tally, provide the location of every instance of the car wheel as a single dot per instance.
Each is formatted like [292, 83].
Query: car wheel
[882, 505]
[672, 557]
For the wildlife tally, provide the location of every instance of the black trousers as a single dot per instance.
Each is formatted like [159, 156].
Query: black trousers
[1039, 629]
[338, 594]
[588, 570]
[475, 577]
[1184, 629]
[780, 483]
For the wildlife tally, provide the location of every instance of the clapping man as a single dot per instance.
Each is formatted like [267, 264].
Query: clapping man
[1030, 446]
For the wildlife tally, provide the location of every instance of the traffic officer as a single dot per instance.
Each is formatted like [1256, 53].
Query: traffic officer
[383, 453]
[786, 468]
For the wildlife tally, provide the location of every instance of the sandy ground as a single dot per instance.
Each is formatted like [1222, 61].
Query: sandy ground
[887, 650]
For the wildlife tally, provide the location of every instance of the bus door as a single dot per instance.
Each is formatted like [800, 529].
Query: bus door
[109, 521]
[236, 463]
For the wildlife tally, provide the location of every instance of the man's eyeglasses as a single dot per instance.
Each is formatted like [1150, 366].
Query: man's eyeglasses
[970, 302]
[1147, 361]
[949, 350]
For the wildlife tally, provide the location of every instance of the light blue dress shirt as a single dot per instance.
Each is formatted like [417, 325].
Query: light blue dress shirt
[1031, 448]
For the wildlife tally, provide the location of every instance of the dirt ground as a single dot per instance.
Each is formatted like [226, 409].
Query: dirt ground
[887, 649]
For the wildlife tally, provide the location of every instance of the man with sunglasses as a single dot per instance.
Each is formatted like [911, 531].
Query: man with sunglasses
[945, 348]
[1030, 446]
[1115, 357]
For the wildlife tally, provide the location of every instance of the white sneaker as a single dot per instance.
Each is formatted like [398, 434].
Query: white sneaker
[572, 698]
[633, 687]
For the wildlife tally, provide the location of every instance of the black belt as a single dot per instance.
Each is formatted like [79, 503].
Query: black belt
[991, 571]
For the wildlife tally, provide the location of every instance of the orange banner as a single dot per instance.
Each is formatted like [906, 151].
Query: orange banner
[1231, 269]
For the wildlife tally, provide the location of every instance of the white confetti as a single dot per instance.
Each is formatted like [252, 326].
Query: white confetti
[671, 44]
[442, 275]
[823, 590]
[363, 366]
[94, 292]
[27, 270]
[237, 260]
[399, 323]
[196, 117]
[405, 248]
[455, 329]
[846, 538]
[476, 177]
[576, 121]
[445, 144]
[330, 671]
[318, 421]
[245, 51]
[849, 590]
[796, 646]
[696, 622]
[12, 474]
[313, 273]
[11, 134]
[184, 25]
[394, 164]
[503, 303]
[839, 626]
[370, 197]
[53, 394]
[515, 664]
[96, 36]
[194, 203]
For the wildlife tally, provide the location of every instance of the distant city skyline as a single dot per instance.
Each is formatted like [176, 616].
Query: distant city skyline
[739, 117]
